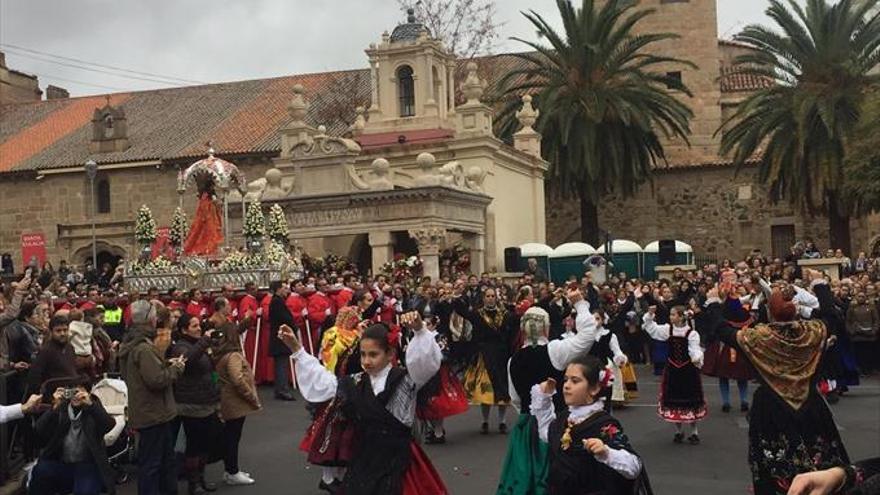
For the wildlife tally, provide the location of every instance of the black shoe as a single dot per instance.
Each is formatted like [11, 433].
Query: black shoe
[678, 438]
[833, 398]
[725, 408]
[208, 487]
[193, 488]
[502, 428]
[484, 429]
[744, 407]
[694, 439]
[286, 397]
[330, 487]
[432, 439]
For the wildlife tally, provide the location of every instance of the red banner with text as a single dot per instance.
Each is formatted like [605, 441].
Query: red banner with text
[33, 248]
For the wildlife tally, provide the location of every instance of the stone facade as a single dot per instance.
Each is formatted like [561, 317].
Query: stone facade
[720, 213]
[15, 86]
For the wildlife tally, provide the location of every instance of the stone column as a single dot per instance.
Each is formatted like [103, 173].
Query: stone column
[382, 245]
[430, 241]
[477, 245]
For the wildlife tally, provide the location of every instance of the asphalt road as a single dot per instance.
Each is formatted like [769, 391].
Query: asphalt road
[470, 463]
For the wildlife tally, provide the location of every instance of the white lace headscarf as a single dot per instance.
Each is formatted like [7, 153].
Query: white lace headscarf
[535, 323]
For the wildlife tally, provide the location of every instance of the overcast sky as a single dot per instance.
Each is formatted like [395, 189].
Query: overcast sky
[214, 41]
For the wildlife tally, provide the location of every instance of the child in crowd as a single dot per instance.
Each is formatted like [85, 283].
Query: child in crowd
[380, 402]
[589, 451]
[681, 388]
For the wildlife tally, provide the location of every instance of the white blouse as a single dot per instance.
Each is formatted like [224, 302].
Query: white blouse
[318, 384]
[661, 333]
[624, 462]
[562, 351]
[619, 357]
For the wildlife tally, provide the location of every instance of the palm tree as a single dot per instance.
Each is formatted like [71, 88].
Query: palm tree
[819, 59]
[603, 101]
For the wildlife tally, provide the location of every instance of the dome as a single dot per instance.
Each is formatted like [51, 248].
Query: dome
[535, 249]
[621, 246]
[680, 247]
[573, 249]
[409, 31]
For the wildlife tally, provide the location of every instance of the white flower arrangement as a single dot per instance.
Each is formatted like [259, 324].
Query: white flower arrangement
[179, 228]
[145, 231]
[157, 266]
[254, 221]
[277, 224]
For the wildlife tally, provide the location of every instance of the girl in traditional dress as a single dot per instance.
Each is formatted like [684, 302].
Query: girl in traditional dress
[494, 334]
[525, 465]
[607, 349]
[681, 388]
[443, 396]
[380, 403]
[339, 356]
[588, 449]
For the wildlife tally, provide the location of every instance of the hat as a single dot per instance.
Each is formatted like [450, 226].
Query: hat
[781, 309]
[535, 323]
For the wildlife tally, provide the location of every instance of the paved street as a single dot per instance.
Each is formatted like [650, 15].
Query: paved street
[470, 463]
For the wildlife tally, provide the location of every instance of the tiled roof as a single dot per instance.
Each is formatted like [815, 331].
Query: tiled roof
[735, 82]
[175, 124]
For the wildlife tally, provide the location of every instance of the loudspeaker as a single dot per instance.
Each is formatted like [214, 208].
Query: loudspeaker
[666, 255]
[512, 259]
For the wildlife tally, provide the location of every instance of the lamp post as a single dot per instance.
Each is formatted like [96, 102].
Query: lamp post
[91, 172]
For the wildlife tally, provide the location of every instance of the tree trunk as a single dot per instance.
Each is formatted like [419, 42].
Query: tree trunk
[838, 226]
[589, 221]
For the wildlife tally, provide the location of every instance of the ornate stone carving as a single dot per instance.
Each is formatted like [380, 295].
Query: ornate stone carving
[428, 178]
[475, 178]
[380, 180]
[527, 115]
[322, 144]
[429, 238]
[473, 87]
[452, 175]
[298, 106]
[274, 185]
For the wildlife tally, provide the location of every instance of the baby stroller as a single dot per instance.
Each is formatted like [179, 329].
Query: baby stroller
[120, 441]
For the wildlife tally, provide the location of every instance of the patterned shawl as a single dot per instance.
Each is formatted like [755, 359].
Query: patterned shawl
[786, 355]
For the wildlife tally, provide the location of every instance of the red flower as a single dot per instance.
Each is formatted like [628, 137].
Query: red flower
[610, 431]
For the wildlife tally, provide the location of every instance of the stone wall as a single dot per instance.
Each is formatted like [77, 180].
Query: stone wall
[716, 211]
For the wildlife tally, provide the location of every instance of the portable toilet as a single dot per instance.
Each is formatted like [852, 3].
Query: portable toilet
[626, 256]
[568, 259]
[684, 255]
[541, 253]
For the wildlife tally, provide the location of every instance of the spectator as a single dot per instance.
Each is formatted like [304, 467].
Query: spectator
[74, 459]
[862, 324]
[9, 316]
[56, 358]
[150, 378]
[280, 315]
[238, 395]
[538, 274]
[197, 398]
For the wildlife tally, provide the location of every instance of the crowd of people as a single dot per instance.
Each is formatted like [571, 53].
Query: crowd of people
[372, 356]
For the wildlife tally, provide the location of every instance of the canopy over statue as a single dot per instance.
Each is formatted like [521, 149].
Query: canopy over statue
[213, 178]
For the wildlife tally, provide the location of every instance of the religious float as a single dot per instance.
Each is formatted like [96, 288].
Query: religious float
[201, 254]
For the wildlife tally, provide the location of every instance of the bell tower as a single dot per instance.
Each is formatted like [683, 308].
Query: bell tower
[412, 80]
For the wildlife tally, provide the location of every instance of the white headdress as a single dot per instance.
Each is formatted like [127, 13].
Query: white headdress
[535, 323]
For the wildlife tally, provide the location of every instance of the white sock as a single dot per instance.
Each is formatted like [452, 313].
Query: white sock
[678, 427]
[694, 430]
[327, 474]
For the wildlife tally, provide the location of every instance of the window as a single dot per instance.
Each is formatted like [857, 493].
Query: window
[673, 79]
[406, 91]
[782, 238]
[102, 195]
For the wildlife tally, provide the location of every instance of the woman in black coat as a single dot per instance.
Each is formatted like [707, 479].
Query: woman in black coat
[198, 399]
[74, 459]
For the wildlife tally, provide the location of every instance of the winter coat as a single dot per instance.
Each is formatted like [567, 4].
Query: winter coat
[150, 379]
[238, 393]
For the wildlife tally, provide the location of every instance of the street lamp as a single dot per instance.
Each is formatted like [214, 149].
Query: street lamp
[91, 172]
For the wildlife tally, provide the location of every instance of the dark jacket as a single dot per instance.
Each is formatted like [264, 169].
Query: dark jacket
[20, 342]
[53, 361]
[149, 378]
[195, 385]
[53, 426]
[278, 315]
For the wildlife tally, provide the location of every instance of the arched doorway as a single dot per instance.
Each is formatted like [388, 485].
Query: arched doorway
[107, 253]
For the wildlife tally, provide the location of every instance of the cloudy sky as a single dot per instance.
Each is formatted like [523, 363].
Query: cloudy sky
[177, 42]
